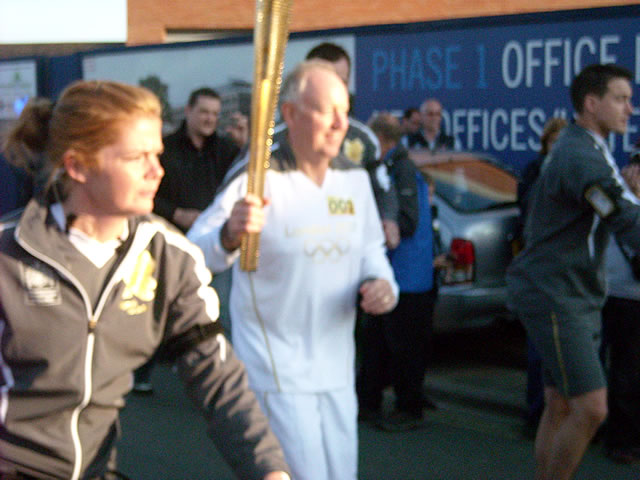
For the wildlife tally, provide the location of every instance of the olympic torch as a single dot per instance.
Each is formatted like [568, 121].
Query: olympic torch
[270, 40]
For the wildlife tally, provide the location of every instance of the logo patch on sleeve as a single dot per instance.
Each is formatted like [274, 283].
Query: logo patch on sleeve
[353, 150]
[600, 201]
[41, 284]
[140, 285]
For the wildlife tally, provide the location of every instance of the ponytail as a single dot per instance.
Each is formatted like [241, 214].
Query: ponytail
[26, 140]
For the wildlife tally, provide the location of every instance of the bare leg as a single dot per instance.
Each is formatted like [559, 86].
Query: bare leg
[555, 413]
[566, 428]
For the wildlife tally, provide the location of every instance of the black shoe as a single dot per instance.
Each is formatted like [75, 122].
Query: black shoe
[623, 455]
[400, 421]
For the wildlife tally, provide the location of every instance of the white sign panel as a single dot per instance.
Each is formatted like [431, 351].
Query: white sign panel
[183, 69]
[18, 83]
[63, 21]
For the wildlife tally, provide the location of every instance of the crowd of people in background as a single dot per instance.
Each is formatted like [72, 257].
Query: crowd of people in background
[347, 244]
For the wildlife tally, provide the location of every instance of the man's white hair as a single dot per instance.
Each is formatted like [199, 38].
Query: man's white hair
[295, 83]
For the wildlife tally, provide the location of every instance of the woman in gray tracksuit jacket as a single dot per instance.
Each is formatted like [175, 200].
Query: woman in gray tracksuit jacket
[79, 313]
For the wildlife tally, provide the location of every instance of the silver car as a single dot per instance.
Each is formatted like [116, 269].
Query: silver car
[477, 219]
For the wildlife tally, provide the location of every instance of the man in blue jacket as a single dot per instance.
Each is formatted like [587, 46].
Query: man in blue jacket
[397, 341]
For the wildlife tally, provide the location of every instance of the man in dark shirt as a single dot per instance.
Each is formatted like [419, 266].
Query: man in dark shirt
[431, 135]
[195, 160]
[411, 121]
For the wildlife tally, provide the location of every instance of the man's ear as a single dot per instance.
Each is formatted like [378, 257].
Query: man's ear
[74, 166]
[287, 109]
[590, 102]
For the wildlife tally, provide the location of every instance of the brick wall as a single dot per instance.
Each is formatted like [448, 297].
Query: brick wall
[49, 49]
[150, 19]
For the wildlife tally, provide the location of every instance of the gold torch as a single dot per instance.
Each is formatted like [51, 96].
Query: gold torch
[269, 39]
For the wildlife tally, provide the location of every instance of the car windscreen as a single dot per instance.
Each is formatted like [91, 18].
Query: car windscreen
[471, 184]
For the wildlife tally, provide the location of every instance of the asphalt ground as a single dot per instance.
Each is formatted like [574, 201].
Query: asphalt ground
[477, 380]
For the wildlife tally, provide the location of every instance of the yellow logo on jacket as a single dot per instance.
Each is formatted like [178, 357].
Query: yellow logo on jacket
[140, 286]
[353, 150]
[326, 250]
[341, 206]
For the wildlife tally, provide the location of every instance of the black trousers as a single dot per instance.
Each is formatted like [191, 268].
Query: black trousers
[621, 345]
[393, 350]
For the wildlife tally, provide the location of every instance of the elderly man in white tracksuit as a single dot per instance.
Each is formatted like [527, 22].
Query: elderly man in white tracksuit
[321, 247]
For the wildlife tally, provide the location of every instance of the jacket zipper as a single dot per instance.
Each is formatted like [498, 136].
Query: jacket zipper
[88, 361]
[88, 381]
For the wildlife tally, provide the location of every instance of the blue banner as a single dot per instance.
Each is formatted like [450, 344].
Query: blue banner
[498, 84]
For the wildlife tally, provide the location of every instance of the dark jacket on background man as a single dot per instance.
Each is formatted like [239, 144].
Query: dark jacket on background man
[412, 259]
[417, 140]
[191, 176]
[402, 172]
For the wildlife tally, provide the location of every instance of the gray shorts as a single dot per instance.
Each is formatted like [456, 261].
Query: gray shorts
[568, 344]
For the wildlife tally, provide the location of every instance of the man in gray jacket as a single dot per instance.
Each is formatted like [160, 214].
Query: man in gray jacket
[557, 283]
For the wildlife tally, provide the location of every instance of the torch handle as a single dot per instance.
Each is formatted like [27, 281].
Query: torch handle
[270, 40]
